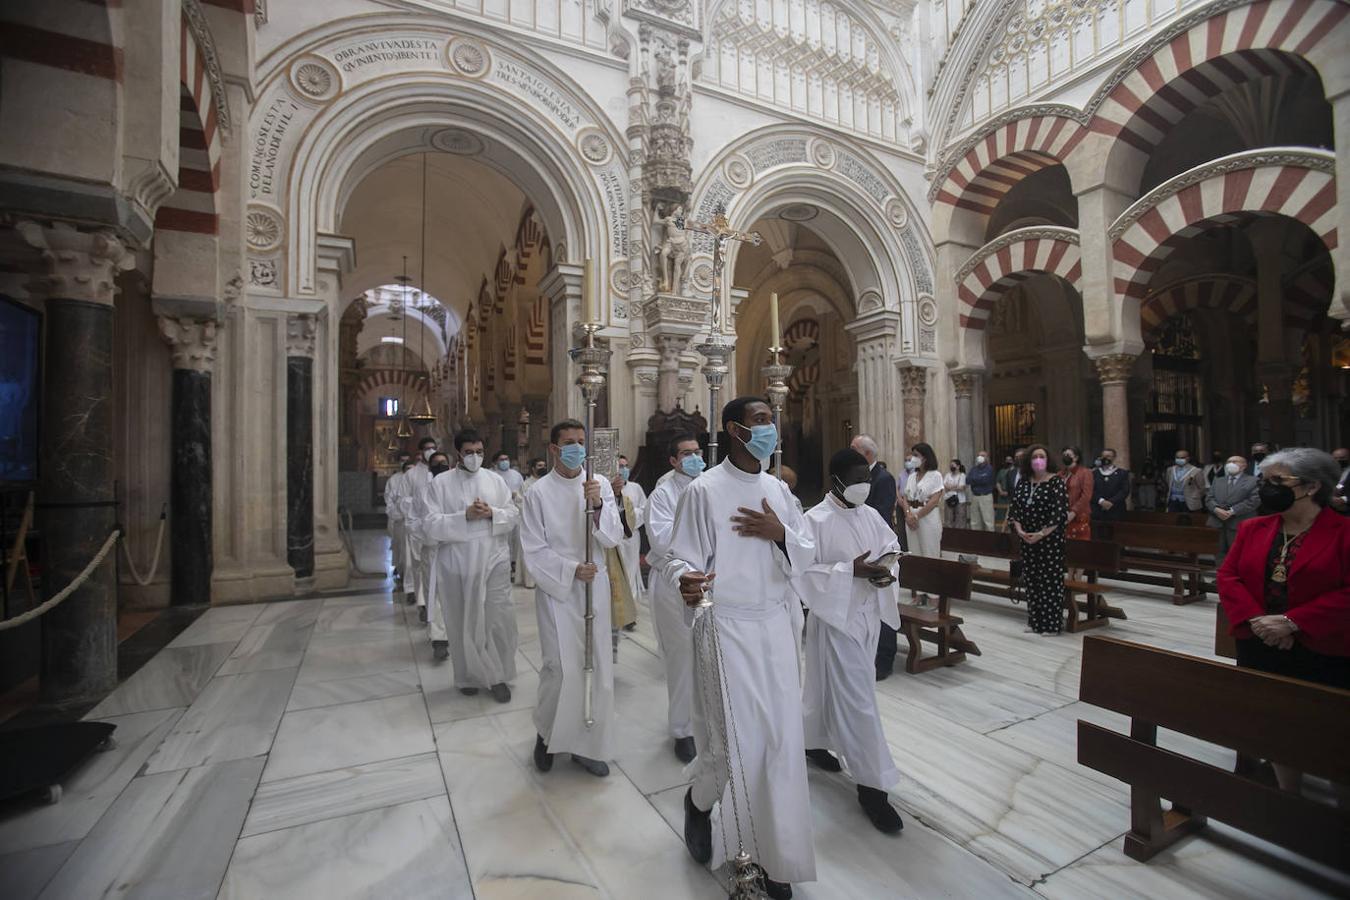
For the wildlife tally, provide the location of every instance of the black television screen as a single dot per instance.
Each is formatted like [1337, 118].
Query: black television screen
[20, 333]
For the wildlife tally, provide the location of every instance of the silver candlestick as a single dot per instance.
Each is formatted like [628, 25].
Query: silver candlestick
[715, 353]
[594, 361]
[776, 374]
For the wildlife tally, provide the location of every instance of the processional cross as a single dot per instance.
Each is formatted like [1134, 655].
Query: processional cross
[720, 230]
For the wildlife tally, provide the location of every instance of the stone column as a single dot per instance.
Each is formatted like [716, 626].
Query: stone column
[193, 342]
[300, 338]
[963, 383]
[1337, 89]
[874, 337]
[1114, 371]
[913, 391]
[562, 287]
[76, 506]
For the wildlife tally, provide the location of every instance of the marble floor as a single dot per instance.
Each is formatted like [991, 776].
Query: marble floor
[312, 748]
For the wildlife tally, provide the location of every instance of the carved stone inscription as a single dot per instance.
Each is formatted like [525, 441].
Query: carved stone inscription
[518, 79]
[272, 128]
[386, 50]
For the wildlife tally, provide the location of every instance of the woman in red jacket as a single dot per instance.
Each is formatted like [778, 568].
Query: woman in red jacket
[1285, 583]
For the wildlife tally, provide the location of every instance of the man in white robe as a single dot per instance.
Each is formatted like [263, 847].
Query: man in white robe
[469, 522]
[393, 511]
[668, 615]
[553, 534]
[417, 481]
[501, 464]
[631, 547]
[538, 469]
[848, 599]
[739, 525]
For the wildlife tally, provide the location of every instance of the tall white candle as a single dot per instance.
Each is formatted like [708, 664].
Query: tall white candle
[773, 322]
[589, 292]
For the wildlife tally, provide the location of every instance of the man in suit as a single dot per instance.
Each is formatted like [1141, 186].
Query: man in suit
[1185, 485]
[1232, 500]
[1340, 497]
[882, 499]
[1110, 488]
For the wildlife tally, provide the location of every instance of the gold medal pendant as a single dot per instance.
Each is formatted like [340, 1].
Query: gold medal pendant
[1279, 575]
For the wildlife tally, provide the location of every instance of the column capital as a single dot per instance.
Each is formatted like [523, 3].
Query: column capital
[78, 265]
[301, 329]
[964, 381]
[192, 341]
[1115, 368]
[913, 382]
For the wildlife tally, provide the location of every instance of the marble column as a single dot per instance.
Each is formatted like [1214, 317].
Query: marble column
[1114, 371]
[963, 383]
[193, 342]
[668, 372]
[913, 392]
[875, 339]
[300, 338]
[1336, 87]
[75, 498]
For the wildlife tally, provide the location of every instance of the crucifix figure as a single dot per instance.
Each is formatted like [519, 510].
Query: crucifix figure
[721, 231]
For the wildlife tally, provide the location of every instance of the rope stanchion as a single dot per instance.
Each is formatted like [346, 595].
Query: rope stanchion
[69, 589]
[345, 530]
[154, 561]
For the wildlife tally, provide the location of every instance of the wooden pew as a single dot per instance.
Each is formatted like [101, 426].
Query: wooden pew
[1150, 517]
[1298, 723]
[1173, 550]
[948, 581]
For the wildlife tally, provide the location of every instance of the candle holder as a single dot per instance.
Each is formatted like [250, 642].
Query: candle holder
[776, 374]
[716, 352]
[594, 362]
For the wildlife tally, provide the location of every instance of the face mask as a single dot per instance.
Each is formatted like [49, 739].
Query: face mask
[1258, 456]
[1038, 464]
[427, 453]
[1068, 459]
[980, 460]
[1181, 463]
[692, 464]
[1232, 468]
[572, 456]
[913, 463]
[503, 465]
[1107, 463]
[763, 440]
[1345, 463]
[472, 461]
[953, 467]
[439, 468]
[623, 472]
[1276, 498]
[854, 494]
[540, 472]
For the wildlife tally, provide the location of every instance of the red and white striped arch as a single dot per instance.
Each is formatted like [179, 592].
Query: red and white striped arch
[1229, 293]
[1298, 184]
[1231, 47]
[192, 207]
[1013, 258]
[1004, 154]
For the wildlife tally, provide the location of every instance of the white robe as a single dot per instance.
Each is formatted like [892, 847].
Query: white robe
[761, 686]
[523, 571]
[839, 701]
[553, 535]
[672, 631]
[514, 482]
[471, 575]
[630, 549]
[393, 510]
[417, 483]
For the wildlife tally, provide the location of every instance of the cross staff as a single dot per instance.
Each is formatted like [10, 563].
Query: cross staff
[720, 230]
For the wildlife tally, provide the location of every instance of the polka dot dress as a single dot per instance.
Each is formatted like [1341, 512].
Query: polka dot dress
[1038, 506]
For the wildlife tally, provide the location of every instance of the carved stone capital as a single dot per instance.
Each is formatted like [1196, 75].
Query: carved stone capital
[964, 384]
[301, 329]
[78, 265]
[913, 383]
[193, 342]
[1115, 368]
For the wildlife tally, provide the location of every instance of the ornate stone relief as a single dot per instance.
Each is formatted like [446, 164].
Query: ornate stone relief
[192, 342]
[738, 171]
[1115, 368]
[315, 78]
[264, 229]
[928, 311]
[457, 141]
[870, 301]
[206, 46]
[79, 265]
[468, 57]
[301, 329]
[896, 213]
[594, 148]
[262, 273]
[1017, 235]
[798, 212]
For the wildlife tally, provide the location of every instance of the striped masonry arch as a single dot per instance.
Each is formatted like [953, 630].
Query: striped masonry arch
[192, 206]
[1296, 183]
[1010, 259]
[1230, 293]
[988, 165]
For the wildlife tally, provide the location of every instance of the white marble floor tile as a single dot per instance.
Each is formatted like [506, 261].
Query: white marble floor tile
[967, 696]
[300, 611]
[173, 678]
[234, 718]
[332, 737]
[409, 850]
[89, 790]
[353, 653]
[446, 704]
[272, 645]
[26, 872]
[352, 690]
[168, 835]
[341, 792]
[372, 613]
[218, 625]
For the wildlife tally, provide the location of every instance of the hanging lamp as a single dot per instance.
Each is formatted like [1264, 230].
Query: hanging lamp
[424, 415]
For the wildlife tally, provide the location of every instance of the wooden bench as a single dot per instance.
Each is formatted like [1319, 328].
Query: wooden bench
[1095, 558]
[948, 581]
[1150, 517]
[1298, 723]
[1173, 550]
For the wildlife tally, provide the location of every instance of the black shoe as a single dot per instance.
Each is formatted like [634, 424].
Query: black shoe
[543, 760]
[777, 890]
[440, 650]
[410, 598]
[468, 691]
[883, 674]
[697, 830]
[824, 759]
[596, 767]
[631, 626]
[422, 614]
[501, 692]
[685, 750]
[878, 808]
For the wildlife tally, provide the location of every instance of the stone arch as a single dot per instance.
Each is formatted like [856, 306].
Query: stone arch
[1228, 293]
[1296, 183]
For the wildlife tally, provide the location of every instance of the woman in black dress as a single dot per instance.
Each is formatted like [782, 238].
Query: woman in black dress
[1039, 512]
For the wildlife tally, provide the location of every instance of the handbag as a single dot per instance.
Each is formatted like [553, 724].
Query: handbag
[953, 501]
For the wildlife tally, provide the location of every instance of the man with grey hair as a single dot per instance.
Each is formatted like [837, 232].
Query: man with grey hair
[1232, 499]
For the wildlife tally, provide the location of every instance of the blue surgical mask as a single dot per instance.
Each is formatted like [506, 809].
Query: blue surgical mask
[692, 464]
[763, 441]
[573, 455]
[623, 472]
[503, 464]
[912, 463]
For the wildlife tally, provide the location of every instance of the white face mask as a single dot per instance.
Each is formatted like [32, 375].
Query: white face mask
[980, 460]
[857, 493]
[427, 453]
[1232, 468]
[472, 461]
[914, 462]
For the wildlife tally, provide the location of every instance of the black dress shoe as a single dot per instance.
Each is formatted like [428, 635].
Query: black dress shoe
[468, 691]
[596, 767]
[410, 599]
[824, 759]
[697, 830]
[883, 674]
[440, 650]
[501, 692]
[778, 890]
[878, 808]
[630, 627]
[543, 760]
[685, 750]
[422, 614]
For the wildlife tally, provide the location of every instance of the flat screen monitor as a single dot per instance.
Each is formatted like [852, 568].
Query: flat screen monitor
[20, 337]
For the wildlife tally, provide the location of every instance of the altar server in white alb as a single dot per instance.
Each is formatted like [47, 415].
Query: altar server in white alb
[553, 536]
[631, 548]
[668, 610]
[849, 598]
[416, 482]
[738, 525]
[470, 519]
[393, 511]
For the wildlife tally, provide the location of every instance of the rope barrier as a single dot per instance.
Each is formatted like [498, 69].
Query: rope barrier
[345, 530]
[154, 562]
[69, 589]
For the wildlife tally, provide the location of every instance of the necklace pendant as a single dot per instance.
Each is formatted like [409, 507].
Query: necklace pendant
[1279, 575]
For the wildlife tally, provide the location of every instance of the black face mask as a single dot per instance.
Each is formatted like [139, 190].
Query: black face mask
[1275, 498]
[1258, 456]
[539, 472]
[439, 468]
[1068, 459]
[1345, 463]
